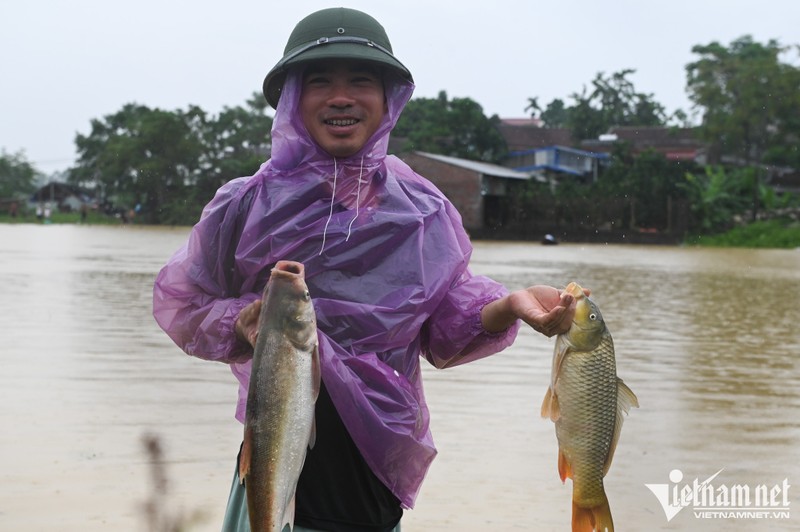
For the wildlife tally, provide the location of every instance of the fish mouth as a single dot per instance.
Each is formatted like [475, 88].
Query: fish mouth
[575, 290]
[288, 269]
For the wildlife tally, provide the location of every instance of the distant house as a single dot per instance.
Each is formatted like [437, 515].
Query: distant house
[522, 135]
[63, 196]
[473, 187]
[549, 153]
[676, 144]
[554, 153]
[784, 179]
[548, 163]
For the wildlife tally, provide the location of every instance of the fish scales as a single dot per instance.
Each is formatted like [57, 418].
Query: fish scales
[587, 392]
[586, 400]
[284, 385]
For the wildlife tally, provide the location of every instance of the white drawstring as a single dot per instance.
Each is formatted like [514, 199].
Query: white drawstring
[358, 198]
[330, 214]
[333, 199]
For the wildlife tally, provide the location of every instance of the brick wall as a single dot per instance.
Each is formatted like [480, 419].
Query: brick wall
[461, 186]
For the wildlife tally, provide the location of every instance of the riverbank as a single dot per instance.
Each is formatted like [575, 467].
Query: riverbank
[776, 233]
[92, 218]
[781, 234]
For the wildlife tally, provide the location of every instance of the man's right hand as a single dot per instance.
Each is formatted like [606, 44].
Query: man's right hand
[246, 326]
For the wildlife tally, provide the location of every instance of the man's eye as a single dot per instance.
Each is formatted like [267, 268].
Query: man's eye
[364, 79]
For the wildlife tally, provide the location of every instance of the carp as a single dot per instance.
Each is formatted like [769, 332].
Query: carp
[586, 400]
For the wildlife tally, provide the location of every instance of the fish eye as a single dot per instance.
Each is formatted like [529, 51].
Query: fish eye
[306, 295]
[592, 316]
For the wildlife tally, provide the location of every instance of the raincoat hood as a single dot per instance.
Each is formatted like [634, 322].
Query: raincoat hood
[293, 147]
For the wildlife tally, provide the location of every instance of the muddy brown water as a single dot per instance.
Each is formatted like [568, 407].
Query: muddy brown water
[708, 339]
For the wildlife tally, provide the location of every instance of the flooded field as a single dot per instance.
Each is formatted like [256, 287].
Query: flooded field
[708, 339]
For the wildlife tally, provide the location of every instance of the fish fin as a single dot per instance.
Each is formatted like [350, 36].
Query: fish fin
[288, 515]
[560, 352]
[550, 406]
[625, 400]
[245, 455]
[625, 396]
[316, 371]
[564, 467]
[596, 518]
[312, 438]
[316, 376]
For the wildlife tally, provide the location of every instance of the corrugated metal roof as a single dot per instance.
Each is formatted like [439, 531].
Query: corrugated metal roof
[584, 153]
[478, 166]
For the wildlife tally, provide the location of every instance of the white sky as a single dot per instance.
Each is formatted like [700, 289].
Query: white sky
[64, 63]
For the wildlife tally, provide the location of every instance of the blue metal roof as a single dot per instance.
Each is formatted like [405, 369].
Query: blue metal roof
[592, 154]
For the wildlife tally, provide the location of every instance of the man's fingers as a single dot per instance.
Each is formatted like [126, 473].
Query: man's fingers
[253, 337]
[555, 322]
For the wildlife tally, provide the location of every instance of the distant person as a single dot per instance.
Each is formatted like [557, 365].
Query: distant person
[39, 212]
[387, 265]
[84, 212]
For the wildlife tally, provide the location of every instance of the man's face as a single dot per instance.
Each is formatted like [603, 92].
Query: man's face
[342, 104]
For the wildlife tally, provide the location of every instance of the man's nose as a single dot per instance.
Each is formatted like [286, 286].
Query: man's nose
[340, 95]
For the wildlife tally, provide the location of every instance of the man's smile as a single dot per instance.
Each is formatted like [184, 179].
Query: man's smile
[341, 122]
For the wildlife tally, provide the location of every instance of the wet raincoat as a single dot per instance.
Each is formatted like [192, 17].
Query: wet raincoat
[386, 262]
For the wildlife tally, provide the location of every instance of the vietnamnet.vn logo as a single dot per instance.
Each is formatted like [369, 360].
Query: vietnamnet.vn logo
[714, 500]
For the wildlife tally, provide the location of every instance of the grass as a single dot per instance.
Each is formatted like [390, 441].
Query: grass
[93, 218]
[776, 233]
[763, 234]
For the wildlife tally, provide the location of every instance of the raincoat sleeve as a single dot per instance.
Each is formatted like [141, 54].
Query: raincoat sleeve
[454, 333]
[196, 299]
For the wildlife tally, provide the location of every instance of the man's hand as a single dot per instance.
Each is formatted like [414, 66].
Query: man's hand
[546, 309]
[246, 326]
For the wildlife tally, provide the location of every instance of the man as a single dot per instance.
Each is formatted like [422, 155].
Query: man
[386, 262]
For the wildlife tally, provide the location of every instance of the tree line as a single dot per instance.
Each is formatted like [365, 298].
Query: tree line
[168, 164]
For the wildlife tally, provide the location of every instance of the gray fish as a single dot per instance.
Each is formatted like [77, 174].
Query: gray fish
[284, 385]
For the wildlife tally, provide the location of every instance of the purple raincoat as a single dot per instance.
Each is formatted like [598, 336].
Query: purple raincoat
[386, 262]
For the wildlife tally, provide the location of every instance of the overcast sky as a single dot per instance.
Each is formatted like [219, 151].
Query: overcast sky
[64, 63]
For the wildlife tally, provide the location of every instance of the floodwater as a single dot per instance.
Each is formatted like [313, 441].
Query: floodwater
[708, 339]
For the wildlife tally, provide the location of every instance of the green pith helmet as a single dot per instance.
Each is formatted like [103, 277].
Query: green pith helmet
[336, 33]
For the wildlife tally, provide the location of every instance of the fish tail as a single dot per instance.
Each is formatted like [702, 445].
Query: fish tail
[596, 518]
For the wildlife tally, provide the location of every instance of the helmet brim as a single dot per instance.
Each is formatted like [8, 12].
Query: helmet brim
[320, 51]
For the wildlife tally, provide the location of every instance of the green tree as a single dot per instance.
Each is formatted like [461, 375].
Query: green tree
[456, 127]
[716, 196]
[236, 142]
[146, 157]
[17, 176]
[648, 181]
[170, 163]
[750, 103]
[555, 114]
[611, 101]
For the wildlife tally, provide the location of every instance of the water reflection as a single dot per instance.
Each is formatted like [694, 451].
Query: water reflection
[708, 339]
